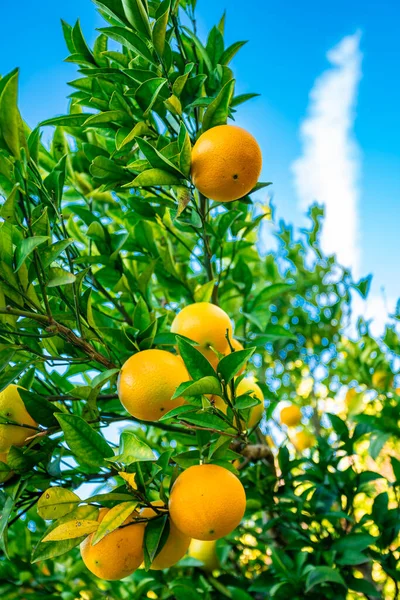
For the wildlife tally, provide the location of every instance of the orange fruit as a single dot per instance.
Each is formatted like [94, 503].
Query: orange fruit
[206, 553]
[303, 440]
[226, 163]
[206, 324]
[207, 502]
[246, 386]
[291, 416]
[382, 379]
[12, 408]
[147, 382]
[118, 554]
[174, 548]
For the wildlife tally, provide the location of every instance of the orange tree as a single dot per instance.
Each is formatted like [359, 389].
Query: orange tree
[132, 300]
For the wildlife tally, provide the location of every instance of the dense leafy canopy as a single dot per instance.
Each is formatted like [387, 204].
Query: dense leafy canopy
[102, 240]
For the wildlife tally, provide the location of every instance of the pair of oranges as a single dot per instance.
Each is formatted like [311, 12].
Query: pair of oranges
[206, 503]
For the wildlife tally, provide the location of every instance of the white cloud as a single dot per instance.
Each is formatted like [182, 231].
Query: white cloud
[328, 170]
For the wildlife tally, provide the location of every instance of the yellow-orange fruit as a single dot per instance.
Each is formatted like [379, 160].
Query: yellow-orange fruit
[303, 440]
[226, 163]
[291, 416]
[147, 382]
[206, 553]
[174, 548]
[206, 324]
[12, 408]
[246, 386]
[207, 502]
[382, 379]
[118, 554]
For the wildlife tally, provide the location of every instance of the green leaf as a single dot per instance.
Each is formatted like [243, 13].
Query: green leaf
[50, 253]
[272, 291]
[56, 502]
[230, 52]
[160, 27]
[130, 40]
[26, 247]
[274, 333]
[363, 286]
[10, 120]
[185, 151]
[353, 541]
[156, 159]
[141, 315]
[71, 530]
[41, 410]
[79, 43]
[113, 519]
[136, 13]
[133, 449]
[196, 364]
[108, 116]
[88, 446]
[204, 292]
[217, 112]
[231, 364]
[156, 533]
[58, 276]
[147, 93]
[241, 98]
[154, 177]
[205, 385]
[179, 83]
[76, 120]
[204, 419]
[322, 574]
[8, 209]
[104, 168]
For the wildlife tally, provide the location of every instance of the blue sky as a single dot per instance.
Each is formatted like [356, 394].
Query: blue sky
[286, 54]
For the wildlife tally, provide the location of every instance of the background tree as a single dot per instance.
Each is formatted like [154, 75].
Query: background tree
[103, 239]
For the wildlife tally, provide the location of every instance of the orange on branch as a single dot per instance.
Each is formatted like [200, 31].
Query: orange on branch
[207, 502]
[206, 324]
[226, 163]
[303, 440]
[13, 409]
[174, 548]
[147, 382]
[119, 553]
[291, 416]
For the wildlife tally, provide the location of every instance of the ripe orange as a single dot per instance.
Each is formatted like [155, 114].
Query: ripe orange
[12, 408]
[226, 163]
[207, 502]
[303, 440]
[291, 416]
[174, 548]
[147, 382]
[118, 554]
[246, 386]
[206, 324]
[205, 551]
